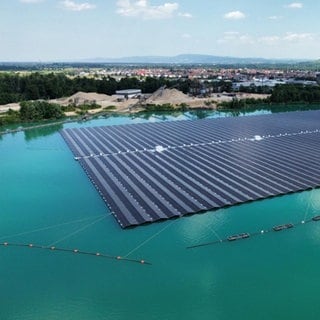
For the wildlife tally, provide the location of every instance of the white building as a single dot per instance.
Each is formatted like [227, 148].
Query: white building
[128, 93]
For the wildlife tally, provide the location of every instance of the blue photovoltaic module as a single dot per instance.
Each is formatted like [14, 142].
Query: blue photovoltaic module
[155, 171]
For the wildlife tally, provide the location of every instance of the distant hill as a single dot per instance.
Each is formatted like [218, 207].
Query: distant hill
[190, 59]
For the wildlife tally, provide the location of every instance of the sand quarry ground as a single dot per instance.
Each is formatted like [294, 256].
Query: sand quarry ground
[161, 96]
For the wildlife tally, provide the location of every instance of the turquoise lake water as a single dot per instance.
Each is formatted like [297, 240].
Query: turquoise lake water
[46, 199]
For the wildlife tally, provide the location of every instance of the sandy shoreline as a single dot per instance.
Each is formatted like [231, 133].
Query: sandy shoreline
[166, 96]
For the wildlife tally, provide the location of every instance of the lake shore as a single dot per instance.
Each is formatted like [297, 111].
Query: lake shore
[134, 105]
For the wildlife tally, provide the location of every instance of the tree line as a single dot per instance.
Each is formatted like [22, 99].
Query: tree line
[32, 111]
[288, 93]
[280, 94]
[15, 88]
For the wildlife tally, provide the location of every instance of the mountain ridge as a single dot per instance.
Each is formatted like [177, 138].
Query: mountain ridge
[193, 59]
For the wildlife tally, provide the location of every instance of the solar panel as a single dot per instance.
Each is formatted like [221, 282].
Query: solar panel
[155, 171]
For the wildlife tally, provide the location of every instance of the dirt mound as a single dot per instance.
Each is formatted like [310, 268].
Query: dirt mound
[172, 96]
[84, 97]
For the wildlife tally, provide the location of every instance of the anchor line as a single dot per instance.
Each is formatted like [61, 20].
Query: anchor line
[77, 231]
[149, 239]
[309, 205]
[49, 227]
[215, 233]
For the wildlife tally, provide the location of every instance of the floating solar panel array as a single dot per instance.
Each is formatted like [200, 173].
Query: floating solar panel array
[155, 171]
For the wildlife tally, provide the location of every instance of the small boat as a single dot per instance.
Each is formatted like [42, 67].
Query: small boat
[283, 227]
[238, 236]
[316, 218]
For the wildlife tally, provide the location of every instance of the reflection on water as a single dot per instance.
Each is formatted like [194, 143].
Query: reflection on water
[42, 132]
[115, 119]
[266, 277]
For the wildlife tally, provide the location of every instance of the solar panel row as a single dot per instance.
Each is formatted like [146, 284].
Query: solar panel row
[139, 137]
[190, 173]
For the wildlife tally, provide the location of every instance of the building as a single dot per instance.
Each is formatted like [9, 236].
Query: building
[129, 93]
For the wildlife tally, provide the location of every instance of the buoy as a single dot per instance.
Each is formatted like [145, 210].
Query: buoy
[142, 261]
[75, 250]
[97, 254]
[52, 248]
[30, 245]
[118, 257]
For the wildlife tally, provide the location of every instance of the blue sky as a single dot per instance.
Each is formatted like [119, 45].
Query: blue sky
[53, 30]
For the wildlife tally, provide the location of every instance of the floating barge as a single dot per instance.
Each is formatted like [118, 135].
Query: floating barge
[283, 227]
[239, 236]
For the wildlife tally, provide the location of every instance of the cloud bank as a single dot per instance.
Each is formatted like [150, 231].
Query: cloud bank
[74, 6]
[234, 15]
[143, 9]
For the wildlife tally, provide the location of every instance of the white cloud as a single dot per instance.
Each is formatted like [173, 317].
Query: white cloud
[269, 40]
[293, 37]
[186, 36]
[143, 9]
[295, 5]
[185, 15]
[235, 37]
[74, 6]
[229, 36]
[234, 15]
[275, 17]
[31, 1]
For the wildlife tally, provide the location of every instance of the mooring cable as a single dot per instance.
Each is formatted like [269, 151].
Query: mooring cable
[78, 230]
[149, 239]
[214, 232]
[51, 247]
[309, 205]
[49, 227]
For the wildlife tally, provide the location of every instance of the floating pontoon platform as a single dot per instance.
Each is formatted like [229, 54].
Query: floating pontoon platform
[155, 171]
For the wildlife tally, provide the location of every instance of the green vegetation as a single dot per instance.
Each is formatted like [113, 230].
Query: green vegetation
[16, 88]
[68, 108]
[295, 93]
[35, 86]
[39, 110]
[109, 108]
[10, 117]
[159, 107]
[256, 89]
[88, 106]
[281, 94]
[32, 111]
[241, 103]
[166, 107]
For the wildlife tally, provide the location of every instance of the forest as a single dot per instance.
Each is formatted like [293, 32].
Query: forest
[16, 88]
[34, 86]
[289, 93]
[26, 89]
